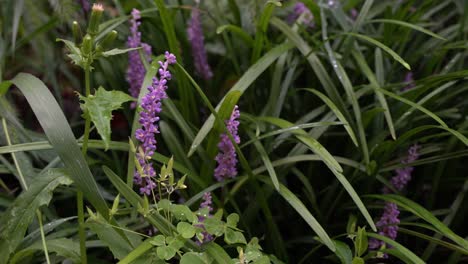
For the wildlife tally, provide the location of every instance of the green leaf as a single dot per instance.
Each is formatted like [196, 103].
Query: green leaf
[238, 31]
[139, 251]
[183, 212]
[307, 140]
[100, 106]
[63, 247]
[337, 112]
[165, 252]
[113, 52]
[158, 240]
[214, 226]
[234, 237]
[4, 86]
[117, 244]
[185, 229]
[358, 260]
[61, 137]
[343, 252]
[217, 252]
[361, 243]
[408, 255]
[382, 46]
[376, 87]
[195, 258]
[306, 215]
[232, 220]
[16, 219]
[406, 24]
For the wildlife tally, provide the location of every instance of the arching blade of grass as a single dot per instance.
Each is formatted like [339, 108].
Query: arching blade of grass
[329, 160]
[45, 145]
[383, 47]
[434, 240]
[238, 31]
[17, 12]
[262, 26]
[242, 84]
[337, 112]
[375, 85]
[284, 131]
[304, 213]
[402, 252]
[313, 60]
[429, 113]
[422, 213]
[345, 81]
[58, 132]
[406, 24]
[267, 162]
[310, 142]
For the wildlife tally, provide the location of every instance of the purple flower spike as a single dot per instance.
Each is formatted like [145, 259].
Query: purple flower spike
[388, 223]
[206, 203]
[195, 36]
[136, 69]
[227, 157]
[149, 116]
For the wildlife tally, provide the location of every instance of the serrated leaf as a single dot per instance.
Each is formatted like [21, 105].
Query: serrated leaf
[71, 46]
[15, 221]
[99, 107]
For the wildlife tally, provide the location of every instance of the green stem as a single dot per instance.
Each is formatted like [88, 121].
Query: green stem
[79, 196]
[44, 243]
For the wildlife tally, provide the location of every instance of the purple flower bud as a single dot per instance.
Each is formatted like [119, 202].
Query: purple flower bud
[195, 36]
[301, 9]
[136, 69]
[227, 157]
[409, 80]
[85, 5]
[149, 116]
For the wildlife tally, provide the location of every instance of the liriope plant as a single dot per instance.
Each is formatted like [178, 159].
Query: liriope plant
[277, 113]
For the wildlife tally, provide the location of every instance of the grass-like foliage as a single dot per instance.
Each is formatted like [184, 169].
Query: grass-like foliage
[233, 131]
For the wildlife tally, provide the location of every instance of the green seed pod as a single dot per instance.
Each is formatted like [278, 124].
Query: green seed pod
[107, 41]
[77, 35]
[87, 46]
[96, 14]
